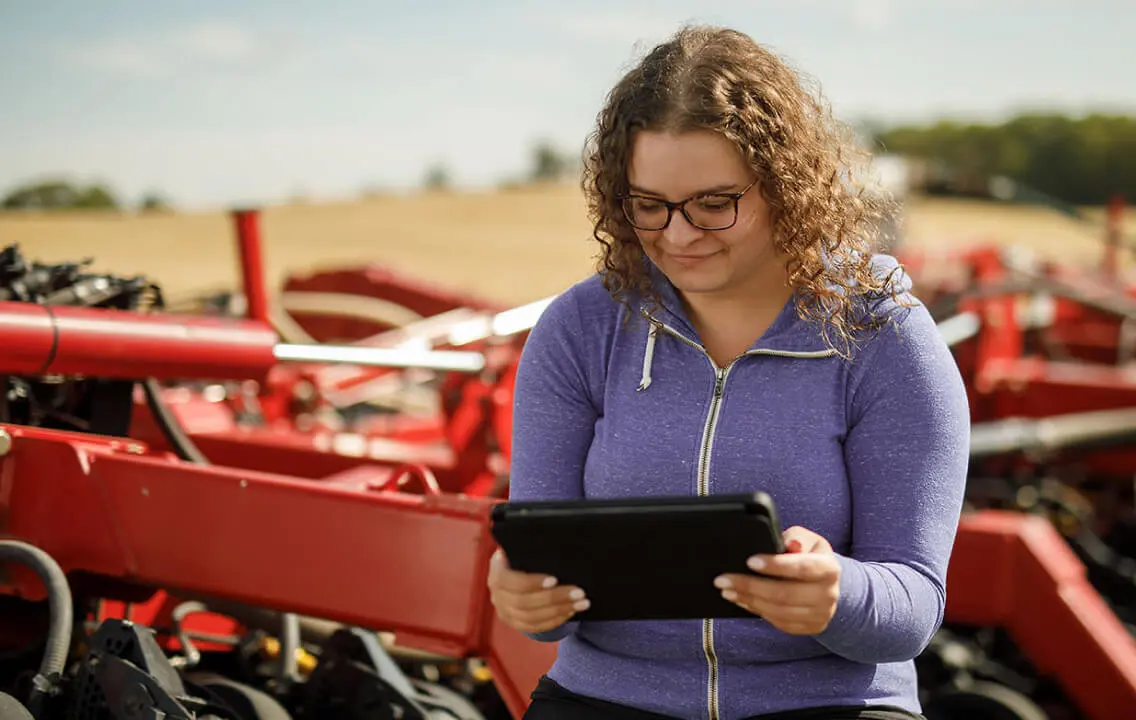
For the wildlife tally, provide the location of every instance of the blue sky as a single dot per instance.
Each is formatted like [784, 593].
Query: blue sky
[217, 103]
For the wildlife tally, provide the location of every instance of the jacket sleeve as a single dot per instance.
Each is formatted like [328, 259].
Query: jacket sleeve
[554, 414]
[906, 452]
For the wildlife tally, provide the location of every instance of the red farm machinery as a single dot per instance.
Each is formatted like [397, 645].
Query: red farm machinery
[278, 509]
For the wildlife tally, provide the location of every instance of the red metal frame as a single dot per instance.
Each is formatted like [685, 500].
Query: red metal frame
[1016, 572]
[466, 445]
[43, 340]
[389, 523]
[413, 563]
[252, 264]
[415, 296]
[419, 297]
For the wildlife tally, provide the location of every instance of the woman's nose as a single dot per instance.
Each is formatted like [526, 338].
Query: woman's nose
[680, 233]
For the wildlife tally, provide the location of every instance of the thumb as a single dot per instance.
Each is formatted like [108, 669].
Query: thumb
[498, 562]
[802, 540]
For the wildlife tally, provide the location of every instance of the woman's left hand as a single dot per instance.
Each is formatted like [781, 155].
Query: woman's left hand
[802, 586]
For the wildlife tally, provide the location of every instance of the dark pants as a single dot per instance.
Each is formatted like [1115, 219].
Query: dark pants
[552, 702]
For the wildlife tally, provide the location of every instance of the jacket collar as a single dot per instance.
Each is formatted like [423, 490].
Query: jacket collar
[788, 332]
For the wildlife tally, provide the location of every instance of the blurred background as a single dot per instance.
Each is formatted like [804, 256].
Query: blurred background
[443, 139]
[441, 142]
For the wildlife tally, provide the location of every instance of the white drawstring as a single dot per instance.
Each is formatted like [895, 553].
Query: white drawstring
[648, 357]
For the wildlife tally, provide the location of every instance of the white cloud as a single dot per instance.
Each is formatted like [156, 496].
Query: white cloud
[118, 57]
[163, 54]
[874, 15]
[217, 41]
[623, 26]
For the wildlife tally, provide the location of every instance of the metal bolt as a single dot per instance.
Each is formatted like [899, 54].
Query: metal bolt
[5, 443]
[135, 701]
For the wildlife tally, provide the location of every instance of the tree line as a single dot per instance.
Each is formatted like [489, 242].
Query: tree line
[547, 164]
[1079, 160]
[65, 195]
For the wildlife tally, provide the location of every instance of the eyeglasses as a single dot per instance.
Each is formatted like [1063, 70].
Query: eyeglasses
[713, 211]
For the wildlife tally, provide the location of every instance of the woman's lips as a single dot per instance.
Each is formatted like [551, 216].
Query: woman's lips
[690, 260]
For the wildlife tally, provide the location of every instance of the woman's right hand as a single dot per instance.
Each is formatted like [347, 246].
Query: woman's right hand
[531, 603]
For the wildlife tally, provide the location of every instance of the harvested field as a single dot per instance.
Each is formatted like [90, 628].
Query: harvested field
[509, 246]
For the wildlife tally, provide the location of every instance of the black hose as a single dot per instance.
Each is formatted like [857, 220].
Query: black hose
[5, 412]
[59, 603]
[182, 446]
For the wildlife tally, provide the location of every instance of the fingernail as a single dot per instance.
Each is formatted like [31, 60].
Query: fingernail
[582, 605]
[722, 583]
[730, 595]
[755, 563]
[549, 582]
[576, 594]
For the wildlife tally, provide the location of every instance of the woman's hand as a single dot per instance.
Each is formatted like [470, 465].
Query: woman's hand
[801, 589]
[531, 603]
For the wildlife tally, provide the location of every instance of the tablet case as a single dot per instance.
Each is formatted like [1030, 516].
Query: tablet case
[641, 558]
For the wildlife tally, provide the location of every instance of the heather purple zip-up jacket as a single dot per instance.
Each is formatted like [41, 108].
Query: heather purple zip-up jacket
[870, 452]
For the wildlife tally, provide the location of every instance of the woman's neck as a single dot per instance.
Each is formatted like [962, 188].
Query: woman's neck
[729, 324]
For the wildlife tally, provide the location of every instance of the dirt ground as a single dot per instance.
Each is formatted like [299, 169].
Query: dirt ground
[511, 247]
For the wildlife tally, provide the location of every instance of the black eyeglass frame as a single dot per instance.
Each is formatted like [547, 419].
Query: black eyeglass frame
[681, 207]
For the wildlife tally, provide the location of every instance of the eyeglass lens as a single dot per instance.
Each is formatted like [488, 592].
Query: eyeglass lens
[710, 212]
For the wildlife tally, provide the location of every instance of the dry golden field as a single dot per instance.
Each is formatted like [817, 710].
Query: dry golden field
[510, 246]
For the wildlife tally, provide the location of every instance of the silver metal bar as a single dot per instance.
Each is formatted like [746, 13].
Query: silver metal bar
[958, 328]
[444, 360]
[504, 324]
[1051, 433]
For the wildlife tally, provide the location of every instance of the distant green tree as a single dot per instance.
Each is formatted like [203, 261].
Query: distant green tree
[59, 195]
[549, 164]
[95, 197]
[437, 178]
[1080, 160]
[153, 202]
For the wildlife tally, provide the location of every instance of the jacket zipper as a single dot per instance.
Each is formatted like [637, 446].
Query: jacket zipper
[704, 490]
[704, 451]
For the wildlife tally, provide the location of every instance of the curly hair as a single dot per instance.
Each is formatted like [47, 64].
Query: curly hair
[720, 79]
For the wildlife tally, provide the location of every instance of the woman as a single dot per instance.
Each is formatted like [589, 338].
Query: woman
[741, 336]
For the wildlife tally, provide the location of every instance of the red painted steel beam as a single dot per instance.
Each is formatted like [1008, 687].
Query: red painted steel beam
[247, 223]
[412, 564]
[1035, 387]
[45, 340]
[1016, 572]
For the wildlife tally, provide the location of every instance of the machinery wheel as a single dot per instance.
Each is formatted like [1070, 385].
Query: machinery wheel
[248, 702]
[13, 709]
[983, 701]
[445, 704]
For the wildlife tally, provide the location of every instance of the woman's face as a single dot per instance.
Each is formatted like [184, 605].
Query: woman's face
[731, 262]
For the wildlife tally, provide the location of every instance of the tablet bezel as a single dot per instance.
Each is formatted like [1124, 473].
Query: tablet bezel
[551, 537]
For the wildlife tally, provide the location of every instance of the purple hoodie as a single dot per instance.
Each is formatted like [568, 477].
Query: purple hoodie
[870, 453]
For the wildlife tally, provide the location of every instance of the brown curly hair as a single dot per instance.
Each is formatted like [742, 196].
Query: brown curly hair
[720, 79]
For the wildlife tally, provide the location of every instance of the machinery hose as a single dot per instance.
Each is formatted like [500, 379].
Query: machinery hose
[59, 602]
[192, 654]
[182, 445]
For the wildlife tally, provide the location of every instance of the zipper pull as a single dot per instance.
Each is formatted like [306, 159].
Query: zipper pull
[719, 382]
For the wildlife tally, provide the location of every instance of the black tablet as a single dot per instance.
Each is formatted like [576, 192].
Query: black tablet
[641, 558]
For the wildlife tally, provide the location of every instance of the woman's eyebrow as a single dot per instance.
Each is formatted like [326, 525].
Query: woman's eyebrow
[705, 191]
